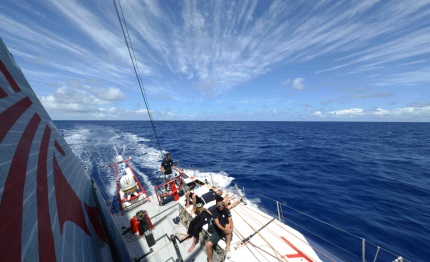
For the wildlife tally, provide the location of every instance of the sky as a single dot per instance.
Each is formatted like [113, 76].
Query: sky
[225, 60]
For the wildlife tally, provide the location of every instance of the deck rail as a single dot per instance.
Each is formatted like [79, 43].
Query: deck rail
[369, 250]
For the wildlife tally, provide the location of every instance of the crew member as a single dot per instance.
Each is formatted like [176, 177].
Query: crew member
[166, 167]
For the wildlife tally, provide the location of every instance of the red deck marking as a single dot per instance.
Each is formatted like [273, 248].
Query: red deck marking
[59, 148]
[11, 206]
[9, 77]
[69, 207]
[10, 115]
[2, 93]
[294, 256]
[300, 253]
[93, 214]
[44, 226]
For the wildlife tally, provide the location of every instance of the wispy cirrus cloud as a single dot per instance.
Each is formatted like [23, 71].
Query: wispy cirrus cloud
[235, 42]
[417, 76]
[197, 50]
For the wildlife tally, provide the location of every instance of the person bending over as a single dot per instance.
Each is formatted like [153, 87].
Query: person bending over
[205, 198]
[223, 228]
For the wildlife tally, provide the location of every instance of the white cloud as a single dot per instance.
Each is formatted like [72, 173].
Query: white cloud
[347, 112]
[403, 111]
[419, 113]
[80, 99]
[381, 112]
[298, 83]
[111, 94]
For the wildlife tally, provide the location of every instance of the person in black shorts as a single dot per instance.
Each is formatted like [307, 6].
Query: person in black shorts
[202, 217]
[166, 167]
[205, 198]
[223, 228]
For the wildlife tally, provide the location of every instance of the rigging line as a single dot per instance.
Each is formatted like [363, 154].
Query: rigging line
[307, 230]
[142, 89]
[323, 223]
[283, 228]
[276, 234]
[244, 220]
[240, 241]
[279, 238]
[253, 253]
[305, 242]
[277, 223]
[303, 213]
[260, 247]
[259, 213]
[257, 249]
[253, 218]
[237, 232]
[135, 66]
[258, 231]
[388, 251]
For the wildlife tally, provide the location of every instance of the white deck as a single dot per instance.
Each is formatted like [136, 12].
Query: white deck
[275, 242]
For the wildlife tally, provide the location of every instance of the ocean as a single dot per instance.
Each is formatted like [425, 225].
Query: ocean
[359, 180]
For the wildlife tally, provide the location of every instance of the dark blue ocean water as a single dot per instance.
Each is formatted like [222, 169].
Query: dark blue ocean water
[371, 180]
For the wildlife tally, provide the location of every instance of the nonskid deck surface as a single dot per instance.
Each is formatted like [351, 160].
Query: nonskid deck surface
[274, 241]
[162, 217]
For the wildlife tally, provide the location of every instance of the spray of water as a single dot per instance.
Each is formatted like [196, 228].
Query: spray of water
[94, 146]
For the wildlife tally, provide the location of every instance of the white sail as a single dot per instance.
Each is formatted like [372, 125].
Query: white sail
[47, 210]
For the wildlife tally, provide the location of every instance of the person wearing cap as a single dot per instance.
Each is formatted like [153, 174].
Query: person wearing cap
[166, 167]
[202, 217]
[223, 228]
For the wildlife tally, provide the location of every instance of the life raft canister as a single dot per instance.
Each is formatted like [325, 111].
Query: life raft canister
[134, 224]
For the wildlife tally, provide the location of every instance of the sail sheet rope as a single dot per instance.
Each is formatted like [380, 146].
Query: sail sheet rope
[240, 242]
[303, 213]
[328, 224]
[127, 39]
[237, 246]
[276, 234]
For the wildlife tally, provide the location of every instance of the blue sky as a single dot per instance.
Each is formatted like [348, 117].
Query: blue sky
[226, 60]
